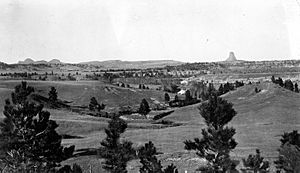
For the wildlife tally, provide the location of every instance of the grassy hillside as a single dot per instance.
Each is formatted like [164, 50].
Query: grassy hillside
[80, 92]
[261, 119]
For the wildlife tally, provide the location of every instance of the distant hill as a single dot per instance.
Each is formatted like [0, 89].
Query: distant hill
[133, 64]
[26, 61]
[31, 61]
[55, 61]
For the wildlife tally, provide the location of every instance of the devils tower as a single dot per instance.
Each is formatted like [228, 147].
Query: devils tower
[231, 57]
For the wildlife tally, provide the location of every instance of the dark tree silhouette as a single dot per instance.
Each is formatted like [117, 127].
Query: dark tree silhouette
[176, 98]
[188, 95]
[95, 106]
[288, 84]
[256, 163]
[167, 97]
[296, 88]
[29, 140]
[150, 163]
[116, 153]
[273, 79]
[221, 90]
[217, 140]
[144, 107]
[52, 95]
[289, 153]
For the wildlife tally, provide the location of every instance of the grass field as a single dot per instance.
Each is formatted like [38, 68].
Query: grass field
[261, 119]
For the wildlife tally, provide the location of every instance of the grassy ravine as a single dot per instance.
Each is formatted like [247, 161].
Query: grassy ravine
[261, 119]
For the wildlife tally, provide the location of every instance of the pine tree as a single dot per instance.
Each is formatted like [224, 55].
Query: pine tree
[296, 88]
[52, 95]
[148, 159]
[221, 90]
[150, 163]
[167, 97]
[116, 153]
[256, 163]
[217, 140]
[289, 153]
[288, 84]
[29, 140]
[144, 107]
[273, 79]
[188, 95]
[176, 98]
[93, 104]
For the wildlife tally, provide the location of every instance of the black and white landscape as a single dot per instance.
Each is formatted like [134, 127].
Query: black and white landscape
[149, 87]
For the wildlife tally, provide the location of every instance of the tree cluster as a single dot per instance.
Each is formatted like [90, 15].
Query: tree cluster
[287, 84]
[29, 141]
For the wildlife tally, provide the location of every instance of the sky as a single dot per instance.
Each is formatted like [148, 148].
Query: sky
[183, 30]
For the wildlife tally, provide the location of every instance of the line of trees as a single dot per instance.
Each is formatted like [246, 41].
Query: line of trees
[287, 84]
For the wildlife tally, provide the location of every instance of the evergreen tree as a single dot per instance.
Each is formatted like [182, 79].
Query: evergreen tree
[188, 95]
[167, 97]
[144, 107]
[256, 163]
[289, 153]
[279, 81]
[273, 79]
[176, 98]
[29, 140]
[116, 153]
[217, 140]
[211, 89]
[296, 88]
[288, 84]
[52, 95]
[150, 163]
[221, 90]
[93, 104]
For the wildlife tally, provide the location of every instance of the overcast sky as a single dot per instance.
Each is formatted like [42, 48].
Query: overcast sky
[184, 30]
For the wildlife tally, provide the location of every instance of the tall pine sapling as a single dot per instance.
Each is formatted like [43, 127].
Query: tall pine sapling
[144, 107]
[52, 95]
[150, 163]
[167, 97]
[217, 140]
[116, 153]
[296, 88]
[29, 140]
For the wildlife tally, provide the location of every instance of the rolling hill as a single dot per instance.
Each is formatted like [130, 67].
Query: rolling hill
[133, 64]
